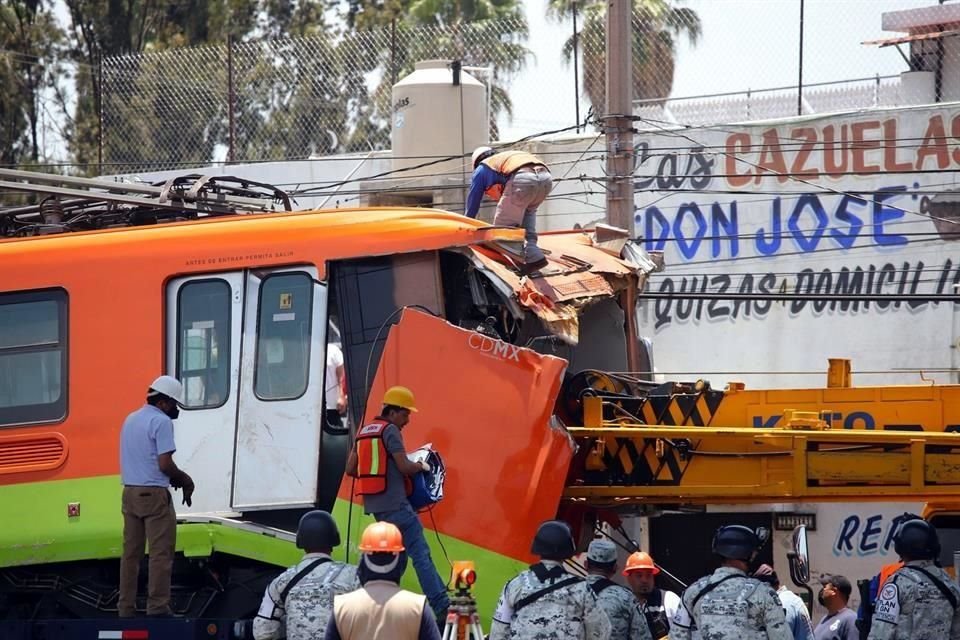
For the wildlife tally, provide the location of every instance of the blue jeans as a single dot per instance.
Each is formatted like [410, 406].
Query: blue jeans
[419, 553]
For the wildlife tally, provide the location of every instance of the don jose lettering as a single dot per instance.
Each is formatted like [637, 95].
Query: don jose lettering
[807, 223]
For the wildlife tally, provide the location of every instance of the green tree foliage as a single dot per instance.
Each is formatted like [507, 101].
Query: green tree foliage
[151, 78]
[657, 25]
[30, 42]
[171, 106]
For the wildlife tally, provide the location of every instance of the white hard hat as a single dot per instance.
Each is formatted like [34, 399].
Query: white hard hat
[168, 386]
[479, 151]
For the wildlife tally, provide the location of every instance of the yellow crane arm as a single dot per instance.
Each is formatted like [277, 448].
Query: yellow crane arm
[689, 444]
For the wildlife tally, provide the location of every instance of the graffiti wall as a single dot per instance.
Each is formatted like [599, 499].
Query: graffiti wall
[846, 206]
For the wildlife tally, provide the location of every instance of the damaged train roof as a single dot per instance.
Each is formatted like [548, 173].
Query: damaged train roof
[583, 267]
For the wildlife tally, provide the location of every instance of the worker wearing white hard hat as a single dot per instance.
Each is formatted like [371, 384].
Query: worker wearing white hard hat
[147, 471]
[167, 386]
[519, 182]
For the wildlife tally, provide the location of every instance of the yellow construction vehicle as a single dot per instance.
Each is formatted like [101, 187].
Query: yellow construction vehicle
[647, 443]
[648, 446]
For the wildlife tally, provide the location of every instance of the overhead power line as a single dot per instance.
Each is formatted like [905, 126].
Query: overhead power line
[439, 161]
[805, 297]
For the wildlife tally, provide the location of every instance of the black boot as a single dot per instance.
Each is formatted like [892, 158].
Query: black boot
[532, 267]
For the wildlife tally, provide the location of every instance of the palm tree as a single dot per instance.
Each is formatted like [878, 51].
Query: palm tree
[656, 27]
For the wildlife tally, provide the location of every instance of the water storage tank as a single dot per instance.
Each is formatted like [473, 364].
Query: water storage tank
[432, 116]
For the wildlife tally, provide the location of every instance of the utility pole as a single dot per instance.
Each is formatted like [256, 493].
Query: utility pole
[800, 78]
[617, 122]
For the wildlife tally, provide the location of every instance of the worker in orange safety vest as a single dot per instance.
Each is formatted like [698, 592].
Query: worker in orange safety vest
[519, 182]
[378, 460]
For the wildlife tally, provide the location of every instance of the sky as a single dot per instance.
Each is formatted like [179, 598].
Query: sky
[745, 44]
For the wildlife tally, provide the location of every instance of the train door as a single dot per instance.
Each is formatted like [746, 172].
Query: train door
[204, 322]
[249, 347]
[281, 390]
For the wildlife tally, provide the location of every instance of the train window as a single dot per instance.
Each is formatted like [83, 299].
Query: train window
[203, 343]
[284, 327]
[33, 357]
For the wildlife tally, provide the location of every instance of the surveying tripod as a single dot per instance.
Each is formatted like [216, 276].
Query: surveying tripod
[463, 623]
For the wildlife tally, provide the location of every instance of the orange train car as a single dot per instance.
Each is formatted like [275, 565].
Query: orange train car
[241, 308]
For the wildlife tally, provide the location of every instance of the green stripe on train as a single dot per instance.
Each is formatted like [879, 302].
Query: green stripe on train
[40, 531]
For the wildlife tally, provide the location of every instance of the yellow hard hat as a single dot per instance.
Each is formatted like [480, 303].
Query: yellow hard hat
[400, 397]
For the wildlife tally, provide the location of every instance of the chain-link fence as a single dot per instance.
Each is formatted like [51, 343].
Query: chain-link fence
[694, 62]
[289, 98]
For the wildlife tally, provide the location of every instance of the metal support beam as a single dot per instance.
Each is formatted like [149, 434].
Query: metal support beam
[617, 122]
[202, 194]
[669, 464]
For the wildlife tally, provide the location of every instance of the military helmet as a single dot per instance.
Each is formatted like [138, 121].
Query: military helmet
[918, 539]
[737, 542]
[554, 541]
[317, 530]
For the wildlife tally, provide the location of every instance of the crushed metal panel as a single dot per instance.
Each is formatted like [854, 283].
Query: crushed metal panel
[580, 287]
[486, 406]
[579, 271]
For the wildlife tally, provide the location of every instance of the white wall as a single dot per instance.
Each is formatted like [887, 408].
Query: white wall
[717, 231]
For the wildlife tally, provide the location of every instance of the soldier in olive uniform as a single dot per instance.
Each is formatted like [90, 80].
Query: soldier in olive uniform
[729, 604]
[545, 602]
[919, 601]
[299, 602]
[627, 622]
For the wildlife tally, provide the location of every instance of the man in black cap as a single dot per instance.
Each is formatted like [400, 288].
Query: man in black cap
[840, 623]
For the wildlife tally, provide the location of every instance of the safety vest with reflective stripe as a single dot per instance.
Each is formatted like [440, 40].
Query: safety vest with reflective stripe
[372, 458]
[507, 162]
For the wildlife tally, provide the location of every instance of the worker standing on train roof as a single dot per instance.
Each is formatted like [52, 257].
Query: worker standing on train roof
[519, 182]
[147, 471]
[378, 460]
